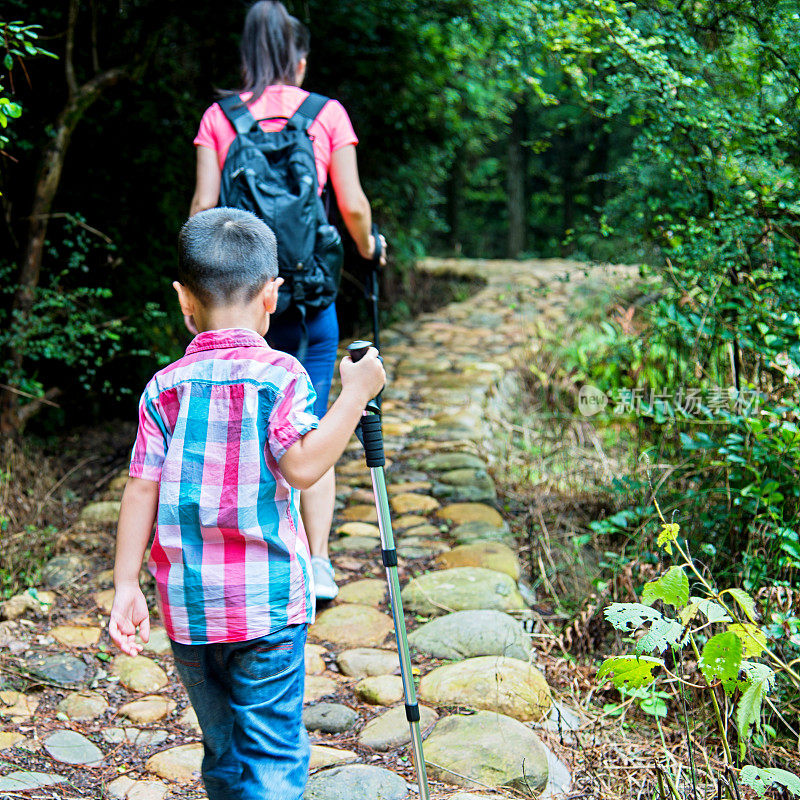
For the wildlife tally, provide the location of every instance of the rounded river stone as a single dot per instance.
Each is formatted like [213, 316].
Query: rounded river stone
[487, 749]
[461, 589]
[493, 683]
[329, 718]
[466, 634]
[355, 782]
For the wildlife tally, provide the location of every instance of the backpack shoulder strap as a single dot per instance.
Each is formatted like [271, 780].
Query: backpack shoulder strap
[237, 113]
[308, 111]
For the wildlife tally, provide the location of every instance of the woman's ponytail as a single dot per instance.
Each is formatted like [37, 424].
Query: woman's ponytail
[269, 48]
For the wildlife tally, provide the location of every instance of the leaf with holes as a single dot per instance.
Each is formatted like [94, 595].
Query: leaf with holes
[630, 616]
[663, 633]
[755, 671]
[672, 588]
[762, 779]
[744, 601]
[721, 659]
[631, 672]
[754, 641]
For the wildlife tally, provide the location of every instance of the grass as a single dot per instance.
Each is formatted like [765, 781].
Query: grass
[29, 512]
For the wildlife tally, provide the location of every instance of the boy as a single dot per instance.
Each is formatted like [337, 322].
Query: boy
[225, 433]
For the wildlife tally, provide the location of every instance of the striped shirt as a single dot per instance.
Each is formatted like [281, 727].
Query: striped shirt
[230, 555]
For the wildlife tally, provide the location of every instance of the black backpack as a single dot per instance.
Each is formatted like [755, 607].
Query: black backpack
[273, 174]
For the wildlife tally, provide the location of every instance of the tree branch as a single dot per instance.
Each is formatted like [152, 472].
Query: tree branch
[95, 57]
[69, 49]
[27, 411]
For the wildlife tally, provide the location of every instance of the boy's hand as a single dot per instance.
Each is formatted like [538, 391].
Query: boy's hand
[128, 612]
[366, 376]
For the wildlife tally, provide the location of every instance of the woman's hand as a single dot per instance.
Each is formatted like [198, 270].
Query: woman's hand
[371, 255]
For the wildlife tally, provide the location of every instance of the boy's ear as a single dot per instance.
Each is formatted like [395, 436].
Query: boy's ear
[271, 295]
[185, 299]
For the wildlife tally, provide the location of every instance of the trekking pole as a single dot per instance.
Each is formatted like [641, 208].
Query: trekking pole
[372, 285]
[371, 437]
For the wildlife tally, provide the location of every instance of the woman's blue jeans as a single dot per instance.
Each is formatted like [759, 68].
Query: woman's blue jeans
[323, 340]
[248, 697]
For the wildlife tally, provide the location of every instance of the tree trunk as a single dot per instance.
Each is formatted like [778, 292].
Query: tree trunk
[515, 184]
[12, 414]
[455, 198]
[567, 169]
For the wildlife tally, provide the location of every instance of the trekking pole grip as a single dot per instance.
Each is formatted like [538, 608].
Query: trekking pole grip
[376, 256]
[358, 350]
[370, 424]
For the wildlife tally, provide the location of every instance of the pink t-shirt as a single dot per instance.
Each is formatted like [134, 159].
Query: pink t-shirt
[331, 129]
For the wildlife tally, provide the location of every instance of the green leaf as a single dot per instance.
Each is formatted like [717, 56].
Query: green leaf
[762, 779]
[753, 639]
[663, 633]
[744, 601]
[8, 61]
[669, 534]
[688, 613]
[628, 671]
[630, 616]
[654, 706]
[712, 610]
[672, 588]
[748, 709]
[613, 709]
[721, 659]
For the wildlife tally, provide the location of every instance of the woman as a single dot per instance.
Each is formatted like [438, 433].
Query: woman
[274, 51]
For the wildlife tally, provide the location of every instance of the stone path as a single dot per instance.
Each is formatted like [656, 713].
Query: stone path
[100, 724]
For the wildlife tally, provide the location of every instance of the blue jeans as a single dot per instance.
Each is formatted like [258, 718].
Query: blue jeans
[248, 697]
[323, 341]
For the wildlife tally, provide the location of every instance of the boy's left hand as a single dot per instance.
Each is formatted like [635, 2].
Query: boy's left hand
[129, 612]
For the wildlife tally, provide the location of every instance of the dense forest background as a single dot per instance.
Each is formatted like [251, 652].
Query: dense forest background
[461, 151]
[660, 132]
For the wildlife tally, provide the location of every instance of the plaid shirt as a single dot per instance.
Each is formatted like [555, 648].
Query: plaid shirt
[230, 555]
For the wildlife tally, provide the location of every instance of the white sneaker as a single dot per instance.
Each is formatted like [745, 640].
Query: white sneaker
[324, 585]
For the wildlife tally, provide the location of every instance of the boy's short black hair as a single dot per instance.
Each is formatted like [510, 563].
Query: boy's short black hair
[226, 255]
